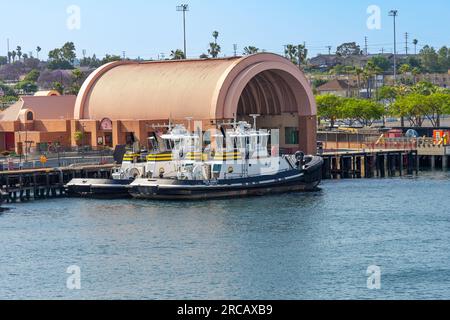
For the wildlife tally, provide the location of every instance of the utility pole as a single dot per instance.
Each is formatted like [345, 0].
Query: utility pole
[235, 47]
[406, 43]
[394, 14]
[329, 50]
[366, 46]
[124, 54]
[7, 46]
[184, 8]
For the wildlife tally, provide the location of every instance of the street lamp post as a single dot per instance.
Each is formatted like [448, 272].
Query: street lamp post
[184, 8]
[394, 14]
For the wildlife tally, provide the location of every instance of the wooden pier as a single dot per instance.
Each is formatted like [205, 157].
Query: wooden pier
[380, 163]
[25, 185]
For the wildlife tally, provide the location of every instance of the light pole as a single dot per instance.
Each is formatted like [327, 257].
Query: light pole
[184, 8]
[394, 14]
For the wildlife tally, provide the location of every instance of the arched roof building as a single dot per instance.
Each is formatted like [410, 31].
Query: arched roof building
[208, 90]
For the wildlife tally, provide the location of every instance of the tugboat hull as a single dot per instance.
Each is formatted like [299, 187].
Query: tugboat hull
[172, 189]
[98, 188]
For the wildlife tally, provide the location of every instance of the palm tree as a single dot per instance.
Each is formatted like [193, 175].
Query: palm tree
[14, 54]
[214, 49]
[415, 43]
[215, 35]
[405, 68]
[302, 54]
[359, 72]
[9, 56]
[250, 50]
[415, 72]
[291, 53]
[38, 49]
[19, 52]
[370, 72]
[177, 54]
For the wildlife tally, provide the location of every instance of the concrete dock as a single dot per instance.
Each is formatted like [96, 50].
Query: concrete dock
[25, 185]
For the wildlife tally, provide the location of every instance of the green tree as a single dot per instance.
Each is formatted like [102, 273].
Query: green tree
[78, 137]
[33, 75]
[14, 54]
[430, 59]
[437, 104]
[58, 86]
[62, 58]
[215, 35]
[424, 88]
[349, 49]
[362, 110]
[329, 107]
[3, 60]
[291, 52]
[250, 50]
[77, 81]
[444, 59]
[110, 58]
[412, 106]
[177, 54]
[370, 72]
[26, 87]
[19, 52]
[415, 72]
[404, 68]
[38, 49]
[214, 49]
[387, 93]
[415, 43]
[381, 62]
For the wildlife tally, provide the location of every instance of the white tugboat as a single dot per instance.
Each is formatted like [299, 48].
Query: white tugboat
[243, 167]
[177, 146]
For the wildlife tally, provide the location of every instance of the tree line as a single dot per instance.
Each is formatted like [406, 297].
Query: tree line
[417, 103]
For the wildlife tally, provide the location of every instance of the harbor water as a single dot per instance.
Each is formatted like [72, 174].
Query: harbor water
[294, 246]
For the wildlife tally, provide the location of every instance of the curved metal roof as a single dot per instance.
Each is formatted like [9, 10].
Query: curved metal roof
[203, 89]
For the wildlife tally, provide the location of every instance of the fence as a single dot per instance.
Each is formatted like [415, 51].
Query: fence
[56, 157]
[339, 141]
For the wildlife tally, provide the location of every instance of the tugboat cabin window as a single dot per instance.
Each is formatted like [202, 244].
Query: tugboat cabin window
[217, 168]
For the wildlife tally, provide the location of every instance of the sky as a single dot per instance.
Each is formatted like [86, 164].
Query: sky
[147, 28]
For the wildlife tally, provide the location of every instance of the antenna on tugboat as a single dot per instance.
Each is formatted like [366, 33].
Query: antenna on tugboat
[235, 120]
[255, 116]
[189, 119]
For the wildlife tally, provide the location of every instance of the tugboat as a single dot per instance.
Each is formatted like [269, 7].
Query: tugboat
[133, 166]
[243, 168]
[177, 146]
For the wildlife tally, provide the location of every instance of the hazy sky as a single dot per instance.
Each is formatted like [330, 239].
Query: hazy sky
[146, 28]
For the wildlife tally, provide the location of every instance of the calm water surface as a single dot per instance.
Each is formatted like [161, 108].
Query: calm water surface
[295, 246]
